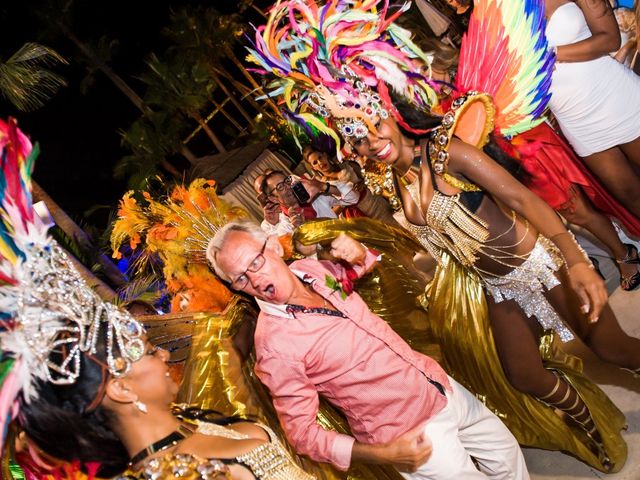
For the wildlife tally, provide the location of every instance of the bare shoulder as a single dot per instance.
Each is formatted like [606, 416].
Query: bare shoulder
[462, 155]
[252, 430]
[214, 446]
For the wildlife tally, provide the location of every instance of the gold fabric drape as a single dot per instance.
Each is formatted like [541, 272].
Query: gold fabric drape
[215, 377]
[459, 320]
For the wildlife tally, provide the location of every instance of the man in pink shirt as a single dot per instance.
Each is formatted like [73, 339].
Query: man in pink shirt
[317, 337]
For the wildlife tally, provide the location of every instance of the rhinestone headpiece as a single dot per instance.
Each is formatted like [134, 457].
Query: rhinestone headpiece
[58, 318]
[49, 316]
[351, 109]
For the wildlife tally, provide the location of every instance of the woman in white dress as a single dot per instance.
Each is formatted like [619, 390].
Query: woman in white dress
[595, 99]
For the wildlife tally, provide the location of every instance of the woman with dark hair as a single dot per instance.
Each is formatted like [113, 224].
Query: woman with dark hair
[511, 278]
[78, 376]
[127, 422]
[328, 170]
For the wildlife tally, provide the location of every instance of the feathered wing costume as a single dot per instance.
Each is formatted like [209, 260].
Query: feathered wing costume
[517, 75]
[336, 66]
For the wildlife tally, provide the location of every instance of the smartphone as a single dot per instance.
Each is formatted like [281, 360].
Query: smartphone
[263, 199]
[300, 193]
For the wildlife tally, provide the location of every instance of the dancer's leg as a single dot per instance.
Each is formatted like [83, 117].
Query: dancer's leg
[516, 338]
[614, 170]
[583, 214]
[632, 151]
[605, 337]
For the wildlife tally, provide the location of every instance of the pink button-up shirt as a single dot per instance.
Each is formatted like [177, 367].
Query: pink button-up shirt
[358, 363]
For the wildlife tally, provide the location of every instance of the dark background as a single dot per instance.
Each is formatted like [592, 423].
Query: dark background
[79, 133]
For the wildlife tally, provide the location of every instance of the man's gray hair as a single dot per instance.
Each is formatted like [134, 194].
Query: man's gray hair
[220, 238]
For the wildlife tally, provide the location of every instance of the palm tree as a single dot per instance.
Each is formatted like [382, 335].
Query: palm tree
[97, 58]
[25, 78]
[151, 139]
[204, 36]
[175, 85]
[27, 82]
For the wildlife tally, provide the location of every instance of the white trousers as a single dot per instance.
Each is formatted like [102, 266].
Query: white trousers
[465, 428]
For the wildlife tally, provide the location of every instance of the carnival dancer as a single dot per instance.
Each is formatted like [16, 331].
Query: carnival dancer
[350, 65]
[556, 174]
[314, 338]
[79, 380]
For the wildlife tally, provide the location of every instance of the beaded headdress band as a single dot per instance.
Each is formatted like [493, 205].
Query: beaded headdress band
[352, 114]
[315, 52]
[50, 316]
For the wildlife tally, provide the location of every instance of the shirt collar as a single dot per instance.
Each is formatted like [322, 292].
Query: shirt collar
[280, 310]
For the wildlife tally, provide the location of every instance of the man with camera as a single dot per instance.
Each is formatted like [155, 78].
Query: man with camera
[304, 199]
[275, 222]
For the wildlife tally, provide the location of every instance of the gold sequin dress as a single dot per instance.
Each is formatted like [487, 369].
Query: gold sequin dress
[269, 461]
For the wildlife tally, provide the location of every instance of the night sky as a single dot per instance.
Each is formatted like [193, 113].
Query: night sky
[78, 134]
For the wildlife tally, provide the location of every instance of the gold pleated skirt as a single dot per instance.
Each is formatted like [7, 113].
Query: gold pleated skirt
[459, 321]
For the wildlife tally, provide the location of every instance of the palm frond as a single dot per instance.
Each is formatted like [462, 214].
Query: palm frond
[25, 79]
[148, 288]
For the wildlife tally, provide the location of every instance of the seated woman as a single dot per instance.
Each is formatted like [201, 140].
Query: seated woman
[328, 170]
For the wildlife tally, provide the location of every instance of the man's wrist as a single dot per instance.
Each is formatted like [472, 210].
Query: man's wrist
[367, 453]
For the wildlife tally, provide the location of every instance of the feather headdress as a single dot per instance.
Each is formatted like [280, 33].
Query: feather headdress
[177, 228]
[49, 315]
[505, 54]
[503, 80]
[339, 61]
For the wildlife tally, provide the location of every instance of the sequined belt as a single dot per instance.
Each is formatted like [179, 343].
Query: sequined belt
[527, 283]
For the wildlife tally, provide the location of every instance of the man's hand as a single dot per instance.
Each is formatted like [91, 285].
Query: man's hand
[406, 453]
[346, 248]
[296, 215]
[409, 451]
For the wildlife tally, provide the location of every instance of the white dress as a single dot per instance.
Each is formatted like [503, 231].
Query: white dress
[597, 103]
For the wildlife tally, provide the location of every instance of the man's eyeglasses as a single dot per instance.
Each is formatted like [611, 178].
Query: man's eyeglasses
[280, 185]
[242, 280]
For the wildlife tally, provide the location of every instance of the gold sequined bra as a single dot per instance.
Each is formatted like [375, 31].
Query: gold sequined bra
[450, 227]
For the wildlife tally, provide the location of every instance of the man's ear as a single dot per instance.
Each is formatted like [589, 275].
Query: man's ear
[273, 244]
[118, 391]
